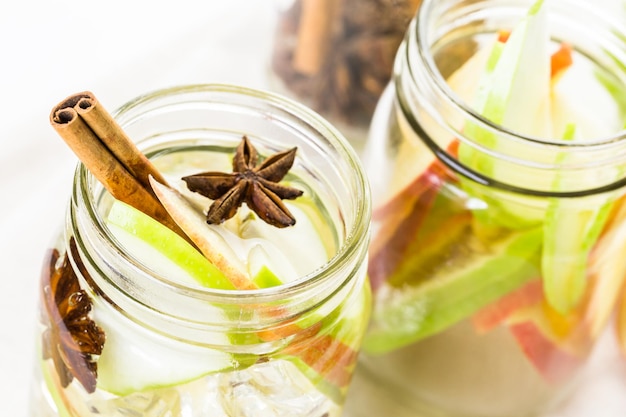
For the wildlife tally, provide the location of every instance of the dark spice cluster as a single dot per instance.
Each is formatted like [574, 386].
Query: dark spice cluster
[72, 339]
[337, 55]
[256, 185]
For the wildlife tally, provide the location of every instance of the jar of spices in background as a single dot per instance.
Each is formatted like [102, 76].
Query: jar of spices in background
[336, 56]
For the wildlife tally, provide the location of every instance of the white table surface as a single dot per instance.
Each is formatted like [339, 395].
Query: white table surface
[119, 49]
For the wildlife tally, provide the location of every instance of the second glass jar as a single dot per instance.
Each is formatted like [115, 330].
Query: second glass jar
[492, 281]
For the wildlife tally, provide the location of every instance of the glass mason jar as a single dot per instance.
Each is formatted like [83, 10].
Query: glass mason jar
[336, 56]
[491, 281]
[117, 337]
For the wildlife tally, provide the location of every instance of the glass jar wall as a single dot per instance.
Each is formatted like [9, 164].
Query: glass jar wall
[497, 251]
[122, 333]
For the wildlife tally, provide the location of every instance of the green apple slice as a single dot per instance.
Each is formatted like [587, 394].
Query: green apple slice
[571, 228]
[219, 245]
[136, 359]
[514, 92]
[150, 240]
[258, 261]
[405, 315]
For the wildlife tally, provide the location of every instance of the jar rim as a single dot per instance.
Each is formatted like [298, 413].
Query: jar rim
[423, 48]
[350, 247]
[422, 93]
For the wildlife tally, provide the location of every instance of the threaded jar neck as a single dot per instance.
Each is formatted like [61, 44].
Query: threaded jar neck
[206, 115]
[446, 32]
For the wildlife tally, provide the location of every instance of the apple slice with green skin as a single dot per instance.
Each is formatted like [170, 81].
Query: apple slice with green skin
[136, 359]
[213, 241]
[514, 92]
[133, 358]
[131, 228]
[515, 87]
[405, 315]
[571, 228]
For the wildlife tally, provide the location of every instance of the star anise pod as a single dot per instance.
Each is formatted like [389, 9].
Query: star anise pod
[72, 339]
[257, 186]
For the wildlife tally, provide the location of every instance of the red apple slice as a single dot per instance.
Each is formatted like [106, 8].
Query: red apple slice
[497, 313]
[554, 363]
[400, 219]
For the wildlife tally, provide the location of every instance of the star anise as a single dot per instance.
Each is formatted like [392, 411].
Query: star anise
[72, 340]
[257, 186]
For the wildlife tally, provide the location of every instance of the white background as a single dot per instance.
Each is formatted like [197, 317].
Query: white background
[120, 49]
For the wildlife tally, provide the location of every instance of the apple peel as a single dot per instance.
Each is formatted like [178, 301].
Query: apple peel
[553, 363]
[206, 237]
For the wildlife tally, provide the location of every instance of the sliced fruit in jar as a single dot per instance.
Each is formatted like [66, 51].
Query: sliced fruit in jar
[553, 363]
[213, 241]
[514, 92]
[135, 358]
[326, 351]
[572, 226]
[131, 227]
[496, 313]
[457, 290]
[570, 233]
[545, 336]
[400, 219]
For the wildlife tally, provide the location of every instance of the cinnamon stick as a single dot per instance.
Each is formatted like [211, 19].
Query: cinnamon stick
[116, 140]
[109, 154]
[314, 34]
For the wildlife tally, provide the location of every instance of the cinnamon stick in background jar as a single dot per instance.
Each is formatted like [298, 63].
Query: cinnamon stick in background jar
[314, 34]
[337, 55]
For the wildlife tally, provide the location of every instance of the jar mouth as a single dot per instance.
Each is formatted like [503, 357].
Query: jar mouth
[566, 10]
[280, 110]
[434, 111]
